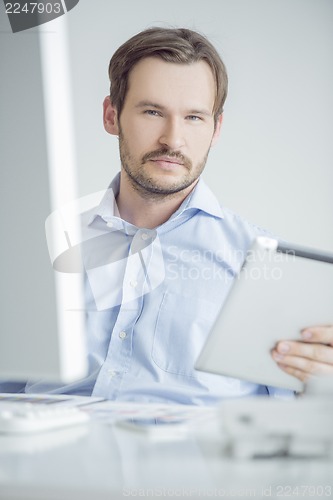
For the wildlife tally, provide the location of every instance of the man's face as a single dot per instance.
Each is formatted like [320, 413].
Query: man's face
[166, 126]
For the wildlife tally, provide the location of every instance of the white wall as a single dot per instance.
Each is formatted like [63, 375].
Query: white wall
[273, 164]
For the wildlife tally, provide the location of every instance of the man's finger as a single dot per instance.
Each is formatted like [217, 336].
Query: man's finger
[305, 365]
[316, 352]
[318, 334]
[295, 372]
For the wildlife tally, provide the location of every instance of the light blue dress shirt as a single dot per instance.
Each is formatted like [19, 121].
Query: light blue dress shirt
[152, 297]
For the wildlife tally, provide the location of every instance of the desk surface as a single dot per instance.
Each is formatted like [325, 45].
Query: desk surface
[103, 460]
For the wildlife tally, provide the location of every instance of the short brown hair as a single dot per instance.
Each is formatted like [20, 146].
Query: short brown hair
[174, 45]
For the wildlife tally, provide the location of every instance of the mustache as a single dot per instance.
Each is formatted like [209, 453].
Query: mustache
[154, 155]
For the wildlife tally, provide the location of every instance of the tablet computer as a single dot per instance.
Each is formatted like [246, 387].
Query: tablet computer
[281, 289]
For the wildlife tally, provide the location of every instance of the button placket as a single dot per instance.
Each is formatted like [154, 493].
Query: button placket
[152, 257]
[135, 277]
[135, 284]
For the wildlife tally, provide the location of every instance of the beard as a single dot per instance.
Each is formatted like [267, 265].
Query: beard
[150, 186]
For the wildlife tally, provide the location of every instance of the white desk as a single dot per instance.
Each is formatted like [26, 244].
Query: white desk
[104, 461]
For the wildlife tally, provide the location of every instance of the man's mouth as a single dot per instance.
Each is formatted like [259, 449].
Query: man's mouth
[167, 161]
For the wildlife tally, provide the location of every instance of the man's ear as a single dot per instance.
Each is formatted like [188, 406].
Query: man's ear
[110, 117]
[217, 130]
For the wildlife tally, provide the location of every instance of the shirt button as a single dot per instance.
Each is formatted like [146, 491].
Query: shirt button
[109, 224]
[133, 283]
[112, 373]
[144, 236]
[122, 335]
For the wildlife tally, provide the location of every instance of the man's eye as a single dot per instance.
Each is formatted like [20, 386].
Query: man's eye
[152, 112]
[194, 118]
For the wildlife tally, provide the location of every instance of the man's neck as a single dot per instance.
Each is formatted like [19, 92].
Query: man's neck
[144, 211]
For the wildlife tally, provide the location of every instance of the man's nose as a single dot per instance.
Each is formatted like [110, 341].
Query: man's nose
[172, 135]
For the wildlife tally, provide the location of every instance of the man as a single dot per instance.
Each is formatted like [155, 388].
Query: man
[165, 252]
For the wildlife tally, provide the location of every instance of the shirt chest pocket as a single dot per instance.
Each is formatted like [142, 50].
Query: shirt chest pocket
[182, 326]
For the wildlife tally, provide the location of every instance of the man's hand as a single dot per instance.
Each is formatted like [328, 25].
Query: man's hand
[312, 355]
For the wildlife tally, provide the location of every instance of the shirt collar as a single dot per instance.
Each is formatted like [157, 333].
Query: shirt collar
[107, 207]
[200, 198]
